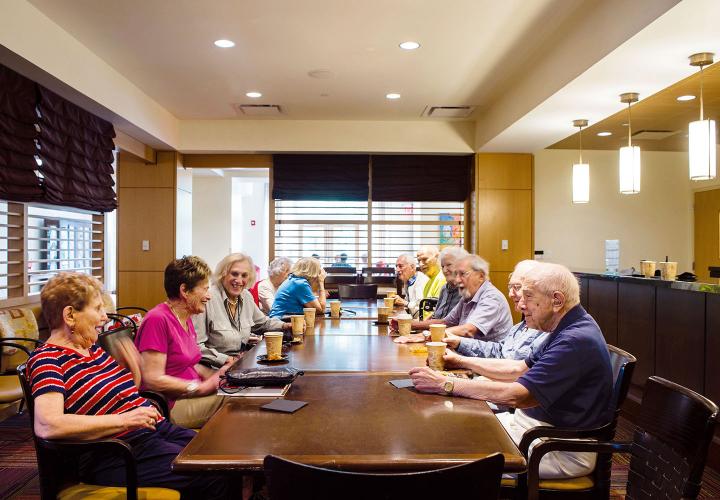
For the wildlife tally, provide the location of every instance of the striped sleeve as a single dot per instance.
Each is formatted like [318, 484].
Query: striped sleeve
[45, 373]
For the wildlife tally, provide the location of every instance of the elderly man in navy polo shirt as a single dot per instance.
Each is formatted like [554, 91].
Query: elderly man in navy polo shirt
[482, 312]
[565, 383]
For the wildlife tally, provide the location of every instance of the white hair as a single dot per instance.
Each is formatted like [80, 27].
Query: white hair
[523, 267]
[279, 266]
[409, 258]
[477, 263]
[549, 278]
[454, 253]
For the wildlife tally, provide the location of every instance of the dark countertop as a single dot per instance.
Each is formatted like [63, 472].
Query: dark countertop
[676, 285]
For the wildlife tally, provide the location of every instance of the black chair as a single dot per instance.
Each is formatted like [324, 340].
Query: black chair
[357, 291]
[291, 480]
[427, 306]
[57, 463]
[669, 447]
[379, 276]
[597, 484]
[340, 270]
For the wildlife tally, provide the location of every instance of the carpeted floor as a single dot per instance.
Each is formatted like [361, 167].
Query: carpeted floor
[19, 481]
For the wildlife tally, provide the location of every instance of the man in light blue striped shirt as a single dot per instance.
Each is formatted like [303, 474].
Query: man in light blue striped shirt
[519, 342]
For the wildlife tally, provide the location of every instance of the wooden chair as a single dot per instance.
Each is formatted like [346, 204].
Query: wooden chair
[597, 484]
[15, 348]
[669, 447]
[357, 291]
[379, 276]
[56, 459]
[290, 480]
[341, 270]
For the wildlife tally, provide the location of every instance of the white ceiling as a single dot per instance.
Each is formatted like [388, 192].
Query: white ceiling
[471, 51]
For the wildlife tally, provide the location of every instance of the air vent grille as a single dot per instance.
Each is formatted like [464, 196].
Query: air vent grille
[654, 135]
[448, 111]
[258, 109]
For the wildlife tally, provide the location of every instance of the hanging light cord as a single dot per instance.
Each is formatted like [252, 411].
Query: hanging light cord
[581, 144]
[629, 126]
[701, 93]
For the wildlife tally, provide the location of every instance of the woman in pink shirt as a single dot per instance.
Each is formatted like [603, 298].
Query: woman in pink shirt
[168, 344]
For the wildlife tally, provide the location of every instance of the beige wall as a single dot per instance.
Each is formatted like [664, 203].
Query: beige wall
[650, 225]
[211, 235]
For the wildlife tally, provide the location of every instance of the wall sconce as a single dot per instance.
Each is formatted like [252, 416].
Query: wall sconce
[701, 133]
[629, 155]
[581, 172]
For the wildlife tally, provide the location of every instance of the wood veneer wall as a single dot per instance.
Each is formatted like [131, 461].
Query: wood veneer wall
[707, 233]
[504, 211]
[147, 211]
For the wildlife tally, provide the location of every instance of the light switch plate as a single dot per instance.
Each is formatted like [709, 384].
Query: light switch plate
[504, 245]
[146, 245]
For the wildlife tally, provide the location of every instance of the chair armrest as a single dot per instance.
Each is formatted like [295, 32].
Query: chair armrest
[159, 400]
[8, 342]
[548, 445]
[131, 308]
[600, 433]
[116, 446]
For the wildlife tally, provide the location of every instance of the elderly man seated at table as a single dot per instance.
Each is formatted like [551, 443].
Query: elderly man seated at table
[449, 294]
[429, 262]
[482, 312]
[566, 383]
[278, 271]
[519, 342]
[413, 282]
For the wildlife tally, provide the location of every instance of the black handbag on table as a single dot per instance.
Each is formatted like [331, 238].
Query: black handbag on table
[258, 377]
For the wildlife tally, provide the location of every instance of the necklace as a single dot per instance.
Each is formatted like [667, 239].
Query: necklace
[172, 309]
[233, 302]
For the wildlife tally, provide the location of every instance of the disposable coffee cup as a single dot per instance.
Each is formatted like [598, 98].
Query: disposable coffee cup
[309, 313]
[391, 295]
[668, 270]
[404, 324]
[273, 345]
[298, 326]
[435, 353]
[383, 313]
[647, 268]
[334, 308]
[389, 302]
[437, 333]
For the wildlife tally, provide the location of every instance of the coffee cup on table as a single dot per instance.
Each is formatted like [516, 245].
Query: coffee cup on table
[383, 313]
[389, 302]
[309, 313]
[334, 308]
[273, 345]
[404, 323]
[647, 268]
[391, 295]
[435, 353]
[437, 333]
[668, 270]
[298, 326]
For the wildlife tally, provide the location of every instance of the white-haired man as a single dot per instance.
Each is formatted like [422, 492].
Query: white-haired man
[413, 282]
[519, 342]
[449, 295]
[567, 382]
[481, 313]
[278, 271]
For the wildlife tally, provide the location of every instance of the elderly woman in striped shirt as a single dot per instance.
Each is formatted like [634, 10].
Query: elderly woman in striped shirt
[80, 392]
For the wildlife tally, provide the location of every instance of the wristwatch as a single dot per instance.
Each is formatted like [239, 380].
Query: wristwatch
[448, 387]
[191, 388]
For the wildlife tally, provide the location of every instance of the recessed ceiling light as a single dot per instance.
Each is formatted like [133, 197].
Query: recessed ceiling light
[686, 98]
[254, 95]
[392, 96]
[224, 44]
[409, 45]
[604, 134]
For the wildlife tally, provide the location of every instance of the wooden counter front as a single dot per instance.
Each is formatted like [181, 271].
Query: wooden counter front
[355, 422]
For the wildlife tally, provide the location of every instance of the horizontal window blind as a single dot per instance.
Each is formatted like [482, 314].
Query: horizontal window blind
[345, 233]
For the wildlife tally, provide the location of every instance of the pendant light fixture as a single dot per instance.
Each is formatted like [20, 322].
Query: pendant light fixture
[701, 133]
[629, 155]
[581, 172]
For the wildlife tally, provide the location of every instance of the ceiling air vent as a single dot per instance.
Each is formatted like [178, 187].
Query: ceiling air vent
[258, 109]
[654, 135]
[448, 111]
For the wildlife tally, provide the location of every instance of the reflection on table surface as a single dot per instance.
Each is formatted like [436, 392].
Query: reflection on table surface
[352, 422]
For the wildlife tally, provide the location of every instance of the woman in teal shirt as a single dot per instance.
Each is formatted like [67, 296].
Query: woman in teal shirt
[297, 291]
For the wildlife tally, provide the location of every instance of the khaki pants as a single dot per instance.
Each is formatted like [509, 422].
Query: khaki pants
[192, 413]
[556, 464]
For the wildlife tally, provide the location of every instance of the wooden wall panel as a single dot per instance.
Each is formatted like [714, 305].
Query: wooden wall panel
[503, 171]
[602, 299]
[712, 351]
[143, 289]
[636, 327]
[707, 233]
[584, 292]
[680, 337]
[133, 172]
[504, 215]
[500, 279]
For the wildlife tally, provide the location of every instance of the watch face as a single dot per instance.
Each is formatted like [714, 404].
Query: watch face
[448, 386]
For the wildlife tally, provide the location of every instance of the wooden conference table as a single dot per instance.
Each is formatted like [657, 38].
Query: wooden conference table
[354, 420]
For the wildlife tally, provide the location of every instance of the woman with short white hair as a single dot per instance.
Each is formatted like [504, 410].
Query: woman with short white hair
[278, 271]
[231, 317]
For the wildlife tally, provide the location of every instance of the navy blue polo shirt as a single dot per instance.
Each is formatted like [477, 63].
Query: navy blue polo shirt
[570, 376]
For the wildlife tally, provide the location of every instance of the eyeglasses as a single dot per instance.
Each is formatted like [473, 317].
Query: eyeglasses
[462, 274]
[516, 286]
